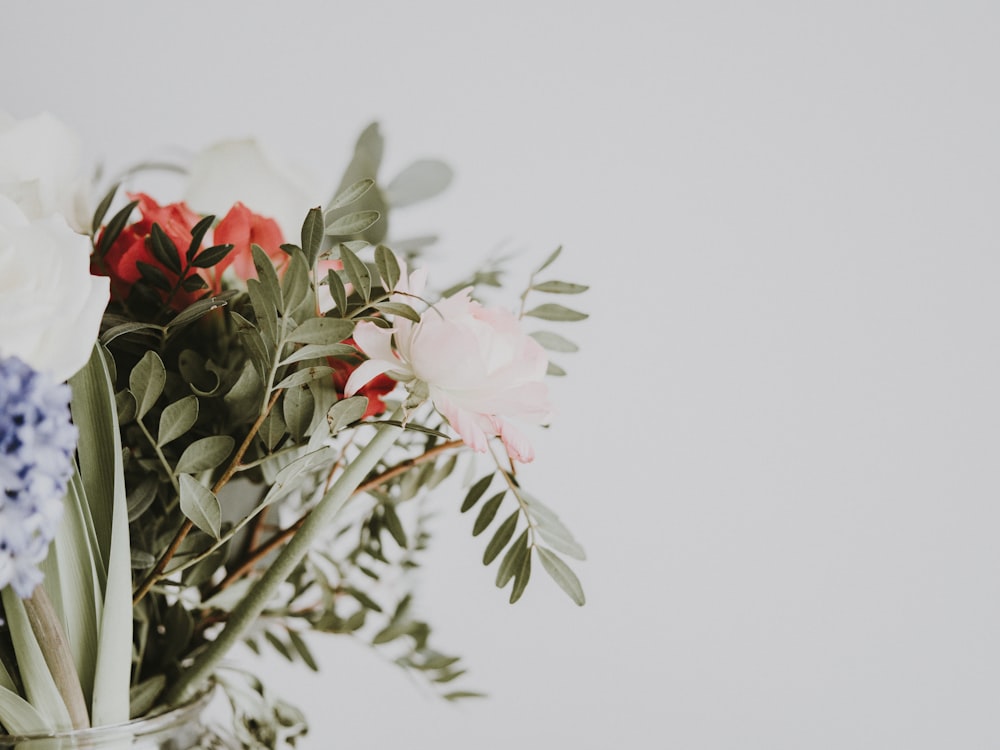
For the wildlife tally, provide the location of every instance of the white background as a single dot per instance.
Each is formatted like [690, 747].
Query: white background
[779, 442]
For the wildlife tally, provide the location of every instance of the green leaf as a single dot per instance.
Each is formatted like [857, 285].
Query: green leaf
[511, 561]
[346, 412]
[305, 375]
[561, 574]
[164, 249]
[297, 406]
[351, 193]
[39, 686]
[177, 419]
[501, 537]
[100, 459]
[264, 309]
[297, 289]
[102, 208]
[286, 480]
[154, 276]
[401, 309]
[201, 505]
[198, 232]
[322, 331]
[146, 382]
[194, 283]
[268, 275]
[312, 234]
[552, 311]
[357, 272]
[21, 718]
[554, 342]
[114, 228]
[142, 697]
[475, 492]
[559, 287]
[317, 351]
[352, 223]
[337, 290]
[211, 256]
[198, 309]
[131, 327]
[521, 576]
[388, 267]
[205, 454]
[487, 513]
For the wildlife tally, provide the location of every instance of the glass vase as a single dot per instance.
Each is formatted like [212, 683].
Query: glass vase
[187, 727]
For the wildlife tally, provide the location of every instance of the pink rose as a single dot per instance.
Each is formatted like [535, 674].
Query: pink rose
[480, 368]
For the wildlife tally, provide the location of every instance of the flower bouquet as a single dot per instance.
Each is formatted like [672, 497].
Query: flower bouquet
[222, 422]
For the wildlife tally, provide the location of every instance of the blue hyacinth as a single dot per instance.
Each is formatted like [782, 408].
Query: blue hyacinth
[37, 440]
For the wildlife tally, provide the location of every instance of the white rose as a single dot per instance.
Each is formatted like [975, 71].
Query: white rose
[243, 170]
[40, 169]
[50, 305]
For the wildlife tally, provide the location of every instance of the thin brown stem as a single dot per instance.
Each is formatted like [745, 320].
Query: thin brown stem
[258, 553]
[161, 565]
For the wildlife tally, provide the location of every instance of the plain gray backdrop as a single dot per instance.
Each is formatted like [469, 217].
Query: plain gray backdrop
[779, 441]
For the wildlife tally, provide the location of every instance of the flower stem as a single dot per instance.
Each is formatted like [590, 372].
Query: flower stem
[249, 609]
[55, 649]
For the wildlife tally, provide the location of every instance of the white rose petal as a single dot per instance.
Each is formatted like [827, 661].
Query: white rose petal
[243, 170]
[40, 168]
[50, 305]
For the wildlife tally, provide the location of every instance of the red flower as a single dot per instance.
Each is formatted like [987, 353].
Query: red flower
[375, 390]
[131, 247]
[242, 228]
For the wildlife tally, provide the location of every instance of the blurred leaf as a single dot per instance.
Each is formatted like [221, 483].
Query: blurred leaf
[316, 351]
[102, 208]
[561, 574]
[559, 287]
[286, 480]
[394, 526]
[554, 342]
[551, 311]
[302, 649]
[200, 505]
[268, 276]
[548, 261]
[351, 193]
[421, 180]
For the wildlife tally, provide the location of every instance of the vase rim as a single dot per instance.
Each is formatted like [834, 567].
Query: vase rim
[138, 727]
